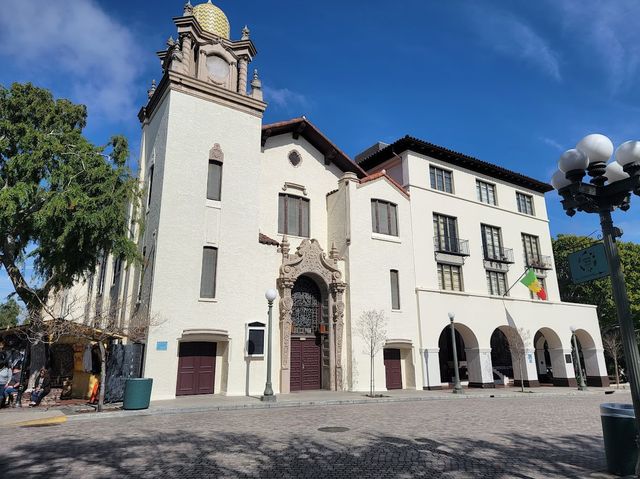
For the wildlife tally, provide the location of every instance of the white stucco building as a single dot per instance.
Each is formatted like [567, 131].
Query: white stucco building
[235, 207]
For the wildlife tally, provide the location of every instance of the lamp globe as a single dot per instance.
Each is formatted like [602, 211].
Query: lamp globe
[628, 153]
[597, 147]
[559, 180]
[573, 159]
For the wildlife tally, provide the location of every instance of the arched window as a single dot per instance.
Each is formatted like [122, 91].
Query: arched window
[214, 176]
[306, 313]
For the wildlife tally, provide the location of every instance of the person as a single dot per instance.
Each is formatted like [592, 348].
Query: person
[41, 388]
[5, 377]
[13, 385]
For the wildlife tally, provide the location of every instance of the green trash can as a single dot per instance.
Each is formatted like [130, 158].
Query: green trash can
[137, 393]
[619, 431]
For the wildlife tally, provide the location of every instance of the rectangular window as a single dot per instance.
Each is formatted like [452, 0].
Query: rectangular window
[497, 283]
[531, 246]
[214, 180]
[150, 186]
[103, 273]
[450, 277]
[486, 192]
[293, 215]
[117, 267]
[525, 203]
[445, 229]
[492, 242]
[384, 217]
[395, 289]
[208, 276]
[441, 179]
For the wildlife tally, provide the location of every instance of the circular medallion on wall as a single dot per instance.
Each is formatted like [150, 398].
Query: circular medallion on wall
[218, 68]
[294, 158]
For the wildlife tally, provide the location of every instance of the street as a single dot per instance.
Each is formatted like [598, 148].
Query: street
[524, 437]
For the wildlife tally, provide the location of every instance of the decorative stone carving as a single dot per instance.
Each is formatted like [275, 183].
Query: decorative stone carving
[310, 259]
[215, 153]
[188, 9]
[245, 33]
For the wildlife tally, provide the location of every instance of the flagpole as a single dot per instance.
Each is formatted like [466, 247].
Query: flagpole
[526, 270]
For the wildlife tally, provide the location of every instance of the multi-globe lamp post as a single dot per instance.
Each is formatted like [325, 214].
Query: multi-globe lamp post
[610, 188]
[268, 396]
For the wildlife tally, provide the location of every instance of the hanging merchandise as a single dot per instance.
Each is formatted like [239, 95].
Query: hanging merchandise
[87, 363]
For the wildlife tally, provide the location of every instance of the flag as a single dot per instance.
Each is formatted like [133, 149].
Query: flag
[530, 280]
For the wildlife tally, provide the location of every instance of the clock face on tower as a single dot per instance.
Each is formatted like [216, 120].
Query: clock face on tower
[218, 68]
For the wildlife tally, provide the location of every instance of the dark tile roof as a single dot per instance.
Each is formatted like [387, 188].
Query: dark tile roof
[264, 239]
[303, 127]
[453, 158]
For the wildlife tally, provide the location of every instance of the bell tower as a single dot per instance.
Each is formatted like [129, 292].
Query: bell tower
[205, 51]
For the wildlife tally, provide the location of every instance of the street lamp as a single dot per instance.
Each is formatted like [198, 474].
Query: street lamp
[457, 387]
[268, 396]
[610, 187]
[582, 386]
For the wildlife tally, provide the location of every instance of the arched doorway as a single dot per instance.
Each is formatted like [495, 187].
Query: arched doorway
[591, 360]
[308, 335]
[501, 359]
[543, 359]
[466, 343]
[553, 360]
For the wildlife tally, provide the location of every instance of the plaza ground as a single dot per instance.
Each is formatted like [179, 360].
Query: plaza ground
[527, 436]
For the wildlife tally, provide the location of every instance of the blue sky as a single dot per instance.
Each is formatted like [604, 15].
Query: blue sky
[513, 83]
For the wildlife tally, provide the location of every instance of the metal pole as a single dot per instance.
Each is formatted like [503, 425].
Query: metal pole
[582, 386]
[625, 320]
[268, 390]
[457, 387]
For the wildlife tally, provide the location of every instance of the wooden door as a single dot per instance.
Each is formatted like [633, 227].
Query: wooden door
[196, 368]
[306, 365]
[393, 369]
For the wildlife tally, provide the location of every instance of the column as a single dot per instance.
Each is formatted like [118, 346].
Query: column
[431, 369]
[242, 76]
[286, 306]
[480, 368]
[529, 370]
[595, 367]
[562, 366]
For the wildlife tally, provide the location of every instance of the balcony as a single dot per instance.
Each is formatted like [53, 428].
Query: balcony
[539, 261]
[498, 254]
[451, 245]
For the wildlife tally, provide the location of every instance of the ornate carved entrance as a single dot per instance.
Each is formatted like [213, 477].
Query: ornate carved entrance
[310, 263]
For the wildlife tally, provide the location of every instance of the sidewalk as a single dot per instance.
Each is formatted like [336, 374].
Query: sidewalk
[192, 404]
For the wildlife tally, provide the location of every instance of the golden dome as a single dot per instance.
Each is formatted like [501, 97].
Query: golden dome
[212, 19]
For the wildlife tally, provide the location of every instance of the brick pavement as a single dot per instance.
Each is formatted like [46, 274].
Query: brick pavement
[543, 437]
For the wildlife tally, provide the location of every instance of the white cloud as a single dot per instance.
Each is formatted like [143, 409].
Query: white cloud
[82, 45]
[285, 98]
[552, 143]
[512, 37]
[609, 33]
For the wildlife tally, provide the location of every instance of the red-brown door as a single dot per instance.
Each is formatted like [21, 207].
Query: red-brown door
[196, 368]
[306, 367]
[393, 369]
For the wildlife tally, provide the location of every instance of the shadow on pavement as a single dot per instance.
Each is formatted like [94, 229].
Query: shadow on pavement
[147, 454]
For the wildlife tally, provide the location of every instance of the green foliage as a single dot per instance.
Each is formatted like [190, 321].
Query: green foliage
[9, 312]
[59, 194]
[598, 292]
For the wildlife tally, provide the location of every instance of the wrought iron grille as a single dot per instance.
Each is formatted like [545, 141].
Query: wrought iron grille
[307, 306]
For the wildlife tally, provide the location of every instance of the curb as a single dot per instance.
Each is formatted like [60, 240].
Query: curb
[325, 402]
[46, 421]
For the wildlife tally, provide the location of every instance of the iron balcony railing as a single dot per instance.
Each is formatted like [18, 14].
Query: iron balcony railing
[539, 261]
[498, 254]
[451, 245]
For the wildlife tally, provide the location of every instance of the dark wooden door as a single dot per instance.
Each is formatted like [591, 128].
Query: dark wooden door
[196, 368]
[393, 369]
[305, 365]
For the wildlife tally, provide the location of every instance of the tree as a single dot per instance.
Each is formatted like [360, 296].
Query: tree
[598, 292]
[97, 326]
[9, 312]
[518, 338]
[372, 329]
[63, 200]
[612, 343]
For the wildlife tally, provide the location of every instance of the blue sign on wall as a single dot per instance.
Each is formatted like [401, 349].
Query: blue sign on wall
[588, 264]
[161, 345]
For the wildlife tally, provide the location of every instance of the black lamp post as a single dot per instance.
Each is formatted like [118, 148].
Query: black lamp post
[457, 387]
[268, 395]
[610, 187]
